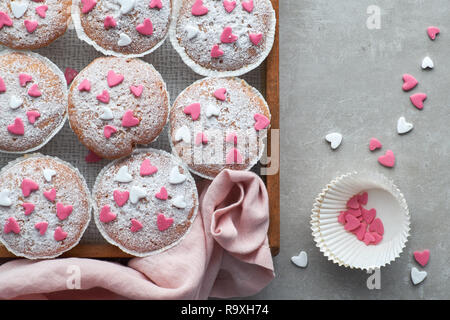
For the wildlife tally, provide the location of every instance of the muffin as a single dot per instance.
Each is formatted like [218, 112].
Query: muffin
[145, 203]
[117, 103]
[219, 123]
[32, 24]
[223, 38]
[131, 28]
[33, 99]
[45, 206]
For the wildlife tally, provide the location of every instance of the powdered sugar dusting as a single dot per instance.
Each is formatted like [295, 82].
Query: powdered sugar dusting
[71, 190]
[149, 239]
[235, 116]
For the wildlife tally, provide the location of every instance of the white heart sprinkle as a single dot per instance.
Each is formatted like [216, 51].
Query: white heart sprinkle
[417, 276]
[184, 134]
[126, 6]
[15, 102]
[19, 8]
[179, 202]
[403, 126]
[5, 201]
[301, 260]
[48, 174]
[427, 63]
[123, 175]
[106, 114]
[176, 177]
[212, 110]
[124, 40]
[136, 193]
[335, 139]
[191, 31]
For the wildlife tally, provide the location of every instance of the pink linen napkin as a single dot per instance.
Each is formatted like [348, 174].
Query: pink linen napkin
[226, 254]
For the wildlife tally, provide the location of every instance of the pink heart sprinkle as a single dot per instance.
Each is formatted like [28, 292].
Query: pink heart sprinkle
[135, 225]
[198, 9]
[137, 90]
[262, 121]
[109, 22]
[145, 28]
[409, 82]
[422, 257]
[377, 238]
[147, 169]
[85, 85]
[220, 94]
[374, 144]
[248, 6]
[354, 212]
[108, 131]
[360, 232]
[229, 5]
[156, 4]
[2, 85]
[255, 38]
[231, 138]
[50, 195]
[128, 120]
[63, 211]
[42, 11]
[29, 208]
[363, 198]
[30, 25]
[369, 215]
[377, 226]
[28, 186]
[103, 97]
[351, 223]
[106, 215]
[34, 91]
[341, 217]
[201, 139]
[11, 226]
[193, 110]
[163, 222]
[91, 157]
[162, 194]
[368, 238]
[216, 52]
[387, 160]
[70, 74]
[121, 197]
[234, 156]
[42, 227]
[5, 20]
[353, 202]
[17, 127]
[24, 79]
[88, 5]
[228, 36]
[114, 79]
[417, 100]
[432, 32]
[59, 234]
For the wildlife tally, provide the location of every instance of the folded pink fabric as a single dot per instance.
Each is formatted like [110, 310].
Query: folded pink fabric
[226, 254]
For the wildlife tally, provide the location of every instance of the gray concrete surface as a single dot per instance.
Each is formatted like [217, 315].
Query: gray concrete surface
[337, 75]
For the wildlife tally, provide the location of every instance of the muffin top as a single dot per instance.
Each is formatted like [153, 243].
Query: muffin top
[219, 123]
[145, 203]
[123, 27]
[32, 24]
[44, 206]
[33, 99]
[116, 103]
[223, 37]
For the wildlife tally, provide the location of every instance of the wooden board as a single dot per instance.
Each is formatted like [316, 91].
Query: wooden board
[272, 94]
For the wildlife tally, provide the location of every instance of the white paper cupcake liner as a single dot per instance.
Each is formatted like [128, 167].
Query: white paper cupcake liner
[215, 73]
[87, 192]
[341, 246]
[61, 76]
[75, 12]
